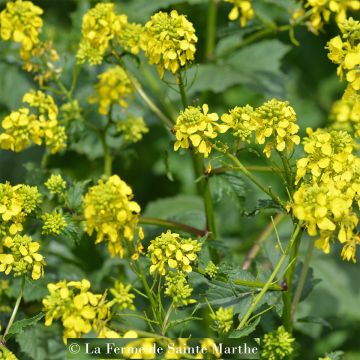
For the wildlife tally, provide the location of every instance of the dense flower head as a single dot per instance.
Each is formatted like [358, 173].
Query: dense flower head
[177, 287]
[53, 223]
[20, 21]
[169, 41]
[223, 318]
[171, 250]
[110, 211]
[277, 345]
[78, 308]
[21, 257]
[242, 9]
[239, 119]
[129, 37]
[275, 124]
[344, 50]
[132, 129]
[6, 354]
[99, 26]
[123, 298]
[196, 127]
[36, 125]
[114, 87]
[323, 9]
[211, 270]
[55, 184]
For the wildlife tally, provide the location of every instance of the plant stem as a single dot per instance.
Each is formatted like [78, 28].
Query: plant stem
[260, 168]
[166, 320]
[211, 30]
[302, 278]
[293, 239]
[287, 296]
[172, 225]
[15, 310]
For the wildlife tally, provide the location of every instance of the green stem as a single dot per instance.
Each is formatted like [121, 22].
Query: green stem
[293, 239]
[107, 154]
[211, 30]
[15, 310]
[184, 98]
[287, 296]
[171, 225]
[302, 278]
[166, 319]
[259, 168]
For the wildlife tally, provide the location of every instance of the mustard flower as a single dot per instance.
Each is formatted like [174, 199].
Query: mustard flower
[169, 41]
[275, 125]
[114, 87]
[55, 184]
[53, 223]
[132, 129]
[6, 354]
[78, 308]
[242, 9]
[223, 318]
[99, 26]
[110, 211]
[177, 287]
[239, 120]
[23, 257]
[344, 50]
[123, 299]
[196, 127]
[277, 345]
[129, 37]
[21, 22]
[211, 270]
[169, 249]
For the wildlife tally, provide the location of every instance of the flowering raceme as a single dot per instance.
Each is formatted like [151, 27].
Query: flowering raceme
[169, 41]
[132, 129]
[55, 184]
[223, 318]
[123, 299]
[114, 87]
[169, 249]
[110, 211]
[177, 287]
[195, 126]
[277, 345]
[242, 9]
[53, 223]
[129, 37]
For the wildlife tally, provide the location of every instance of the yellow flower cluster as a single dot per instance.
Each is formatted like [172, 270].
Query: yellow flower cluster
[99, 25]
[123, 299]
[169, 41]
[277, 345]
[345, 113]
[129, 38]
[114, 87]
[16, 203]
[323, 9]
[56, 184]
[344, 50]
[53, 223]
[177, 287]
[274, 122]
[132, 129]
[23, 127]
[20, 21]
[196, 127]
[242, 9]
[78, 308]
[169, 249]
[211, 270]
[23, 257]
[223, 318]
[326, 198]
[109, 210]
[6, 354]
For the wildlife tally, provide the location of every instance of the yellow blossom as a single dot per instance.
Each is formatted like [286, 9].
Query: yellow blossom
[242, 9]
[129, 37]
[110, 211]
[196, 127]
[223, 319]
[54, 223]
[177, 287]
[6, 354]
[277, 345]
[132, 129]
[169, 41]
[123, 299]
[55, 184]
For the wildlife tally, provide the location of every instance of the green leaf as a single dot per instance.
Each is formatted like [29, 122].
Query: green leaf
[315, 320]
[246, 331]
[263, 204]
[18, 326]
[73, 196]
[336, 355]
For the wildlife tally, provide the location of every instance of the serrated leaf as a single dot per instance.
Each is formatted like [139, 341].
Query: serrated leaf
[73, 196]
[246, 331]
[18, 326]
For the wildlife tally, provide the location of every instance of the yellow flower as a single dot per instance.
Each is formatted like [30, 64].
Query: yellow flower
[170, 250]
[169, 41]
[110, 211]
[123, 299]
[277, 345]
[242, 9]
[114, 87]
[54, 223]
[129, 37]
[211, 270]
[195, 126]
[56, 184]
[6, 354]
[99, 26]
[22, 257]
[223, 318]
[275, 124]
[132, 129]
[177, 287]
